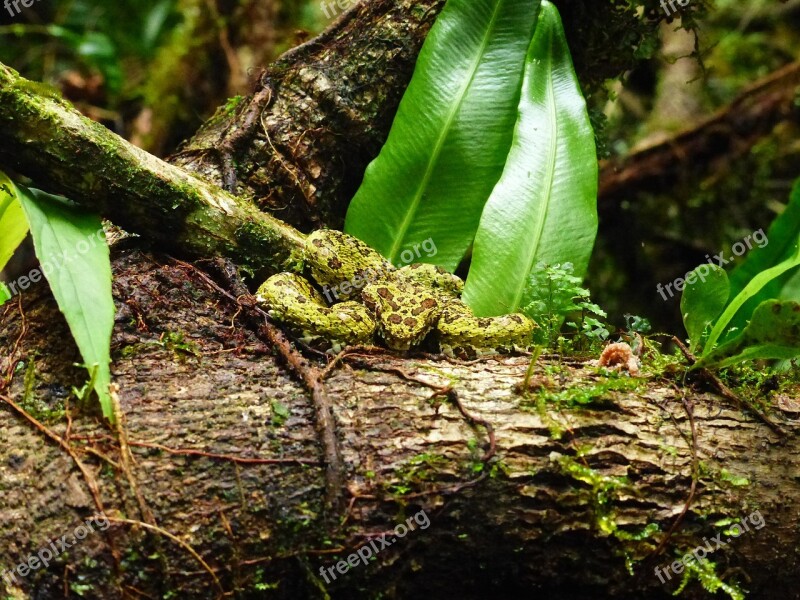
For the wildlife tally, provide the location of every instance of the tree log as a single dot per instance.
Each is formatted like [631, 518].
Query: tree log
[225, 458]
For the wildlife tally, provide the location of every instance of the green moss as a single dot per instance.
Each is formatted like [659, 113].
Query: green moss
[705, 572]
[32, 405]
[40, 89]
[732, 479]
[603, 487]
[231, 105]
[499, 468]
[602, 491]
[302, 518]
[599, 394]
[175, 342]
[280, 413]
[253, 230]
[133, 350]
[421, 468]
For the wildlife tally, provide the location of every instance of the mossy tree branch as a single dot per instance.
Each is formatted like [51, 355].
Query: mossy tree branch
[46, 139]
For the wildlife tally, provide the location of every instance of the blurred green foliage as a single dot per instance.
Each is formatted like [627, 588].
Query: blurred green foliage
[114, 54]
[654, 237]
[86, 36]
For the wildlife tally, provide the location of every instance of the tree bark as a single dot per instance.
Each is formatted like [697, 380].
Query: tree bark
[329, 114]
[578, 460]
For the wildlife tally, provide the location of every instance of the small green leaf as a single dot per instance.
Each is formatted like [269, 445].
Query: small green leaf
[13, 224]
[450, 139]
[544, 208]
[5, 294]
[74, 258]
[703, 300]
[735, 480]
[773, 333]
[749, 291]
[154, 25]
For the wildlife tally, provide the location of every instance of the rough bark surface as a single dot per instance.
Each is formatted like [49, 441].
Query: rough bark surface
[328, 114]
[194, 381]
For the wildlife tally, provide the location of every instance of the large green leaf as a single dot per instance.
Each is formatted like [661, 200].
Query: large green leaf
[13, 224]
[74, 258]
[750, 291]
[704, 298]
[451, 135]
[544, 208]
[770, 249]
[773, 333]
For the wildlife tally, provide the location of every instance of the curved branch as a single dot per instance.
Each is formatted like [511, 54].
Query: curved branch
[732, 131]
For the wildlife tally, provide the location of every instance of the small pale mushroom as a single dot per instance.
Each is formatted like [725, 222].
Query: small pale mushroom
[619, 356]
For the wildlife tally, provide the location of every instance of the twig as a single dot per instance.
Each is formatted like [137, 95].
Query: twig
[50, 434]
[125, 458]
[12, 362]
[231, 143]
[334, 472]
[727, 393]
[91, 482]
[201, 453]
[347, 352]
[451, 396]
[733, 129]
[695, 477]
[311, 378]
[178, 541]
[227, 457]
